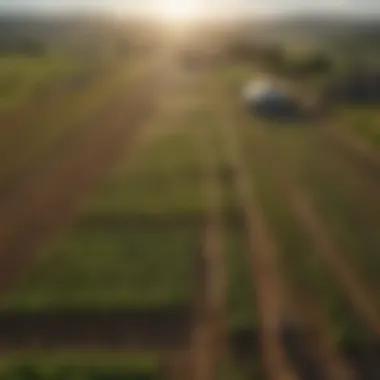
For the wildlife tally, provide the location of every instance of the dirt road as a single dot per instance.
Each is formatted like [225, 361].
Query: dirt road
[273, 300]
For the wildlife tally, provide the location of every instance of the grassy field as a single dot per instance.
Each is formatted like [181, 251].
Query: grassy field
[137, 245]
[22, 77]
[362, 121]
[341, 206]
[305, 273]
[111, 267]
[158, 182]
[154, 198]
[49, 121]
[240, 301]
[156, 186]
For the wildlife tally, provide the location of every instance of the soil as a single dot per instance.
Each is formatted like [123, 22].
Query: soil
[124, 329]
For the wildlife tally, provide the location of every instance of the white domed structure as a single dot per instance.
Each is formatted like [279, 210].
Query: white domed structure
[265, 98]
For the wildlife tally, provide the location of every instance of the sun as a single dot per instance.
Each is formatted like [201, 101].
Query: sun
[177, 9]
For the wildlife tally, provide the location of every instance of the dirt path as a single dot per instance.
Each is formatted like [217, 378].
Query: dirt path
[208, 337]
[351, 284]
[272, 297]
[210, 334]
[50, 198]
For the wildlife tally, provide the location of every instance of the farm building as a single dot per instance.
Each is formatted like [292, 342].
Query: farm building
[358, 87]
[267, 99]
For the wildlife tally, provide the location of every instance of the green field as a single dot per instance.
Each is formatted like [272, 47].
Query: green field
[144, 221]
[306, 274]
[343, 209]
[362, 121]
[111, 267]
[157, 181]
[240, 301]
[52, 119]
[134, 242]
[135, 246]
[23, 77]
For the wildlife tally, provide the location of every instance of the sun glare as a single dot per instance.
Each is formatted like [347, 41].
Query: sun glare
[177, 10]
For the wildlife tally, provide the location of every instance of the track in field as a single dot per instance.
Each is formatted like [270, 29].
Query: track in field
[334, 260]
[310, 321]
[331, 254]
[334, 365]
[210, 335]
[311, 357]
[273, 302]
[208, 344]
[295, 337]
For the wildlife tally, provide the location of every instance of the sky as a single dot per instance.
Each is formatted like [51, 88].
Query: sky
[245, 7]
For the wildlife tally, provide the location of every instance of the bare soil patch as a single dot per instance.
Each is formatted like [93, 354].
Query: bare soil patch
[124, 329]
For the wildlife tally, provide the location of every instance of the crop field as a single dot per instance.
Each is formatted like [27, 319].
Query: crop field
[44, 121]
[152, 227]
[66, 365]
[22, 77]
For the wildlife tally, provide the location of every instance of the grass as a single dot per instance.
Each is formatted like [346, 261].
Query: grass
[300, 146]
[33, 138]
[241, 308]
[230, 204]
[305, 271]
[111, 267]
[79, 366]
[162, 179]
[121, 263]
[21, 77]
[240, 299]
[363, 121]
[231, 373]
[235, 371]
[344, 212]
[237, 76]
[116, 265]
[145, 197]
